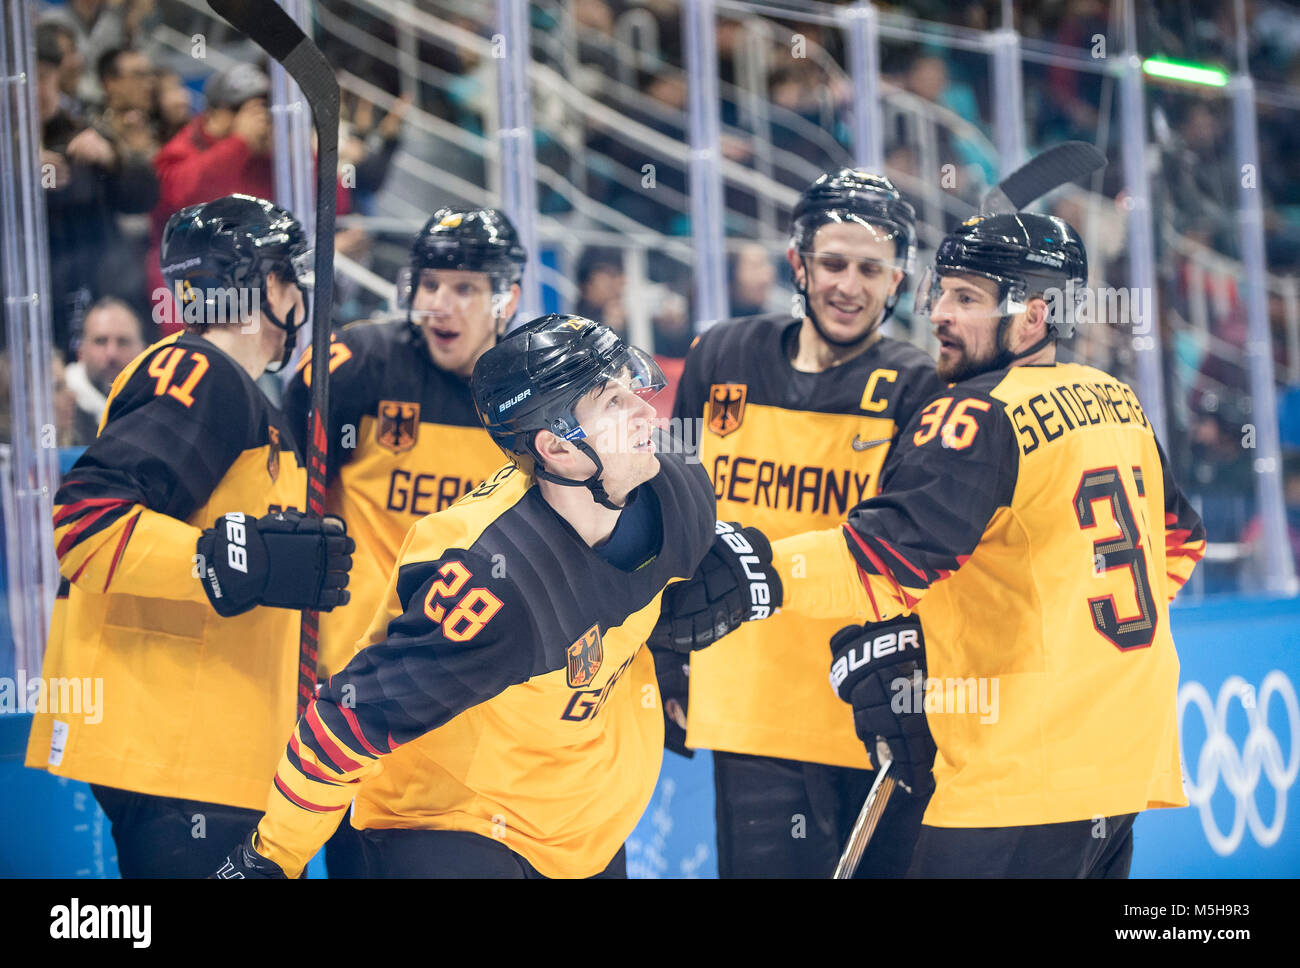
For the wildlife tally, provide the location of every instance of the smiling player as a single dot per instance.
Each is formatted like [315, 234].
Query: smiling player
[799, 416]
[502, 718]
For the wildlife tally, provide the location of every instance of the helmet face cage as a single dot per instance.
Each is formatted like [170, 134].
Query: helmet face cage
[1063, 297]
[632, 366]
[535, 378]
[805, 230]
[1027, 255]
[408, 280]
[858, 196]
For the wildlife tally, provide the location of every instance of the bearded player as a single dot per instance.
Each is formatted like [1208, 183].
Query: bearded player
[1030, 520]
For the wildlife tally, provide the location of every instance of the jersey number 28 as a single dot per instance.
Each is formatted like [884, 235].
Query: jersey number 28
[470, 614]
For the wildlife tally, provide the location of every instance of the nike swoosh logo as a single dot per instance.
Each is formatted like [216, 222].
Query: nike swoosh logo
[860, 444]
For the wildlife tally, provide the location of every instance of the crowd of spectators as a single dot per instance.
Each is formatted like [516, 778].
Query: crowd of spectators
[122, 147]
[126, 140]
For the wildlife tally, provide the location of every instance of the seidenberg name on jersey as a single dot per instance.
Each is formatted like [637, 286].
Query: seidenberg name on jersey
[1071, 406]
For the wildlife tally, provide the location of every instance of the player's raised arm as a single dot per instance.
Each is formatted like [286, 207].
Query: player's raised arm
[460, 638]
[954, 469]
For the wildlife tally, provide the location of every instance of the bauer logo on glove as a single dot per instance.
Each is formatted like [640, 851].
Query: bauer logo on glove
[734, 584]
[894, 641]
[873, 665]
[756, 570]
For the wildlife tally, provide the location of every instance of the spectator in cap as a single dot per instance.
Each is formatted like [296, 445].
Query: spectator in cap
[223, 150]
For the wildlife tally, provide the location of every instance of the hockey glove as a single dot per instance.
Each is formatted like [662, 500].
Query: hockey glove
[245, 863]
[673, 670]
[879, 670]
[284, 560]
[735, 583]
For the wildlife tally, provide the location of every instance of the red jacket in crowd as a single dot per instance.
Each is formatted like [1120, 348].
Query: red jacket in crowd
[194, 168]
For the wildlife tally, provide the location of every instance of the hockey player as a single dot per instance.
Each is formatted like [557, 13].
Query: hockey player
[183, 565]
[502, 719]
[798, 417]
[405, 439]
[1030, 519]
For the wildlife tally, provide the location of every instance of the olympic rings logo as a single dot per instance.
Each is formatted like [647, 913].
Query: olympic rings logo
[1241, 769]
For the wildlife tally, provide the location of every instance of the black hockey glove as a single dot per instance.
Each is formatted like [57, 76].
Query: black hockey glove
[284, 560]
[245, 863]
[673, 670]
[735, 583]
[879, 669]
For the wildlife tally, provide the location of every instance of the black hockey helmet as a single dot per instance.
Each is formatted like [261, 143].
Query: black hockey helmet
[1026, 255]
[854, 195]
[213, 251]
[534, 378]
[471, 239]
[233, 242]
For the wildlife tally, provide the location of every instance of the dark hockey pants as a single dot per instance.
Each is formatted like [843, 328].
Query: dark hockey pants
[452, 853]
[785, 818]
[166, 837]
[1100, 848]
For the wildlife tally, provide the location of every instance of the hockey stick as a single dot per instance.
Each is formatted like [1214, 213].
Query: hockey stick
[873, 808]
[267, 25]
[1050, 169]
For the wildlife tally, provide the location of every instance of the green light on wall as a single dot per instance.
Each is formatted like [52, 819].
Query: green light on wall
[1187, 73]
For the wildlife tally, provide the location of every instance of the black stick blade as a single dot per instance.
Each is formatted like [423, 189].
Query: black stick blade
[1035, 178]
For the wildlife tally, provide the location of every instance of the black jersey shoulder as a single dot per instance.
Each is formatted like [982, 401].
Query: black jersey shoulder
[177, 420]
[192, 382]
[961, 431]
[980, 387]
[745, 339]
[569, 587]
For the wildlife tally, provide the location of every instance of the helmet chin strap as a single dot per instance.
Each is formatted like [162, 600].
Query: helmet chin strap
[598, 492]
[291, 335]
[1005, 357]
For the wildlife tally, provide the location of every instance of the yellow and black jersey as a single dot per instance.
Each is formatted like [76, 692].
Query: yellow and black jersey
[1030, 519]
[788, 452]
[505, 691]
[193, 703]
[404, 441]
